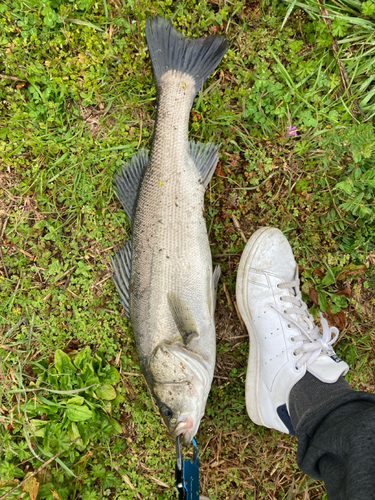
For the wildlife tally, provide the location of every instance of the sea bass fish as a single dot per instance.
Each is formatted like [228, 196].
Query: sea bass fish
[164, 272]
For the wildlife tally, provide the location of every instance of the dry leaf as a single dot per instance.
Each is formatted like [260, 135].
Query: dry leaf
[160, 483]
[319, 271]
[219, 170]
[337, 319]
[32, 487]
[8, 482]
[313, 294]
[352, 271]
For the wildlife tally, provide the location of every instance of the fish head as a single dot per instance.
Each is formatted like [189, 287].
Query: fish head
[180, 407]
[181, 383]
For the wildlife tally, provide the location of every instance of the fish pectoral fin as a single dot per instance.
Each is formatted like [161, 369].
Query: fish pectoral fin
[183, 317]
[215, 281]
[121, 263]
[205, 157]
[128, 181]
[216, 276]
[189, 336]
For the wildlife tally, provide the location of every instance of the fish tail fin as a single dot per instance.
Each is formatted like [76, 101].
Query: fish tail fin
[171, 50]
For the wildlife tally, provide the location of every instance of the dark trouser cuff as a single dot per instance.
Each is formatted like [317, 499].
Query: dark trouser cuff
[310, 394]
[335, 426]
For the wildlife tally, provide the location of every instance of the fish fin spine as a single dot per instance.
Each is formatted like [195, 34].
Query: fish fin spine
[121, 263]
[127, 182]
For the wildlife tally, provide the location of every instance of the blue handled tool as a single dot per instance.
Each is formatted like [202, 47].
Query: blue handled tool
[187, 473]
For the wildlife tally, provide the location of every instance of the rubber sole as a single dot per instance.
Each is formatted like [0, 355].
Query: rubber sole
[253, 367]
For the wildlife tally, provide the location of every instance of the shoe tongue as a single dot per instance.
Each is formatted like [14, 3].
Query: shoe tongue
[328, 368]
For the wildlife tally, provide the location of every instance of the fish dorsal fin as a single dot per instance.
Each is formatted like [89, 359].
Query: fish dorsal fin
[121, 263]
[205, 157]
[215, 281]
[183, 317]
[128, 180]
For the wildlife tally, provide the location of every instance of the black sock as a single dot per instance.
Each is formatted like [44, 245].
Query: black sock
[310, 394]
[335, 427]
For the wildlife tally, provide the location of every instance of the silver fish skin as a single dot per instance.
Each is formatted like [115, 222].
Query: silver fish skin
[164, 274]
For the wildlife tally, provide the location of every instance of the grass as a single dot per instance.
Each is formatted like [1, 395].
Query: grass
[77, 100]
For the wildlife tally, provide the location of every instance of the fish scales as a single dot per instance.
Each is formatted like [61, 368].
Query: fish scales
[170, 295]
[175, 255]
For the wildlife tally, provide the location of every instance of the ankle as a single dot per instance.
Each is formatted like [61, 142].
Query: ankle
[309, 395]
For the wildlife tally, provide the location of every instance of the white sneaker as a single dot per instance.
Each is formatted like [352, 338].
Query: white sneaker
[284, 341]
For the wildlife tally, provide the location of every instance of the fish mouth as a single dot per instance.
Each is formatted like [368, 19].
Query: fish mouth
[185, 427]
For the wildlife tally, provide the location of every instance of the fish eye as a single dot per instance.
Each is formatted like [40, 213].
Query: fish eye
[167, 412]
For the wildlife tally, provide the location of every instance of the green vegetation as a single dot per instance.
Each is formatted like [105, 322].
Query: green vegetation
[70, 418]
[77, 99]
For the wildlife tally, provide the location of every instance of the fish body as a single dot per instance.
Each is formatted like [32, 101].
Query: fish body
[164, 274]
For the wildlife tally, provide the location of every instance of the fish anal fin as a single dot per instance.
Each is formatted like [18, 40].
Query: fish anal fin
[121, 263]
[205, 157]
[183, 317]
[128, 181]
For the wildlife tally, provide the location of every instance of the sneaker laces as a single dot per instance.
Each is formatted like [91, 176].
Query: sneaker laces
[313, 341]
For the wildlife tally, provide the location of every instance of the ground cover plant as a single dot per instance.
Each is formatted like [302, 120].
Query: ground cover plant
[293, 105]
